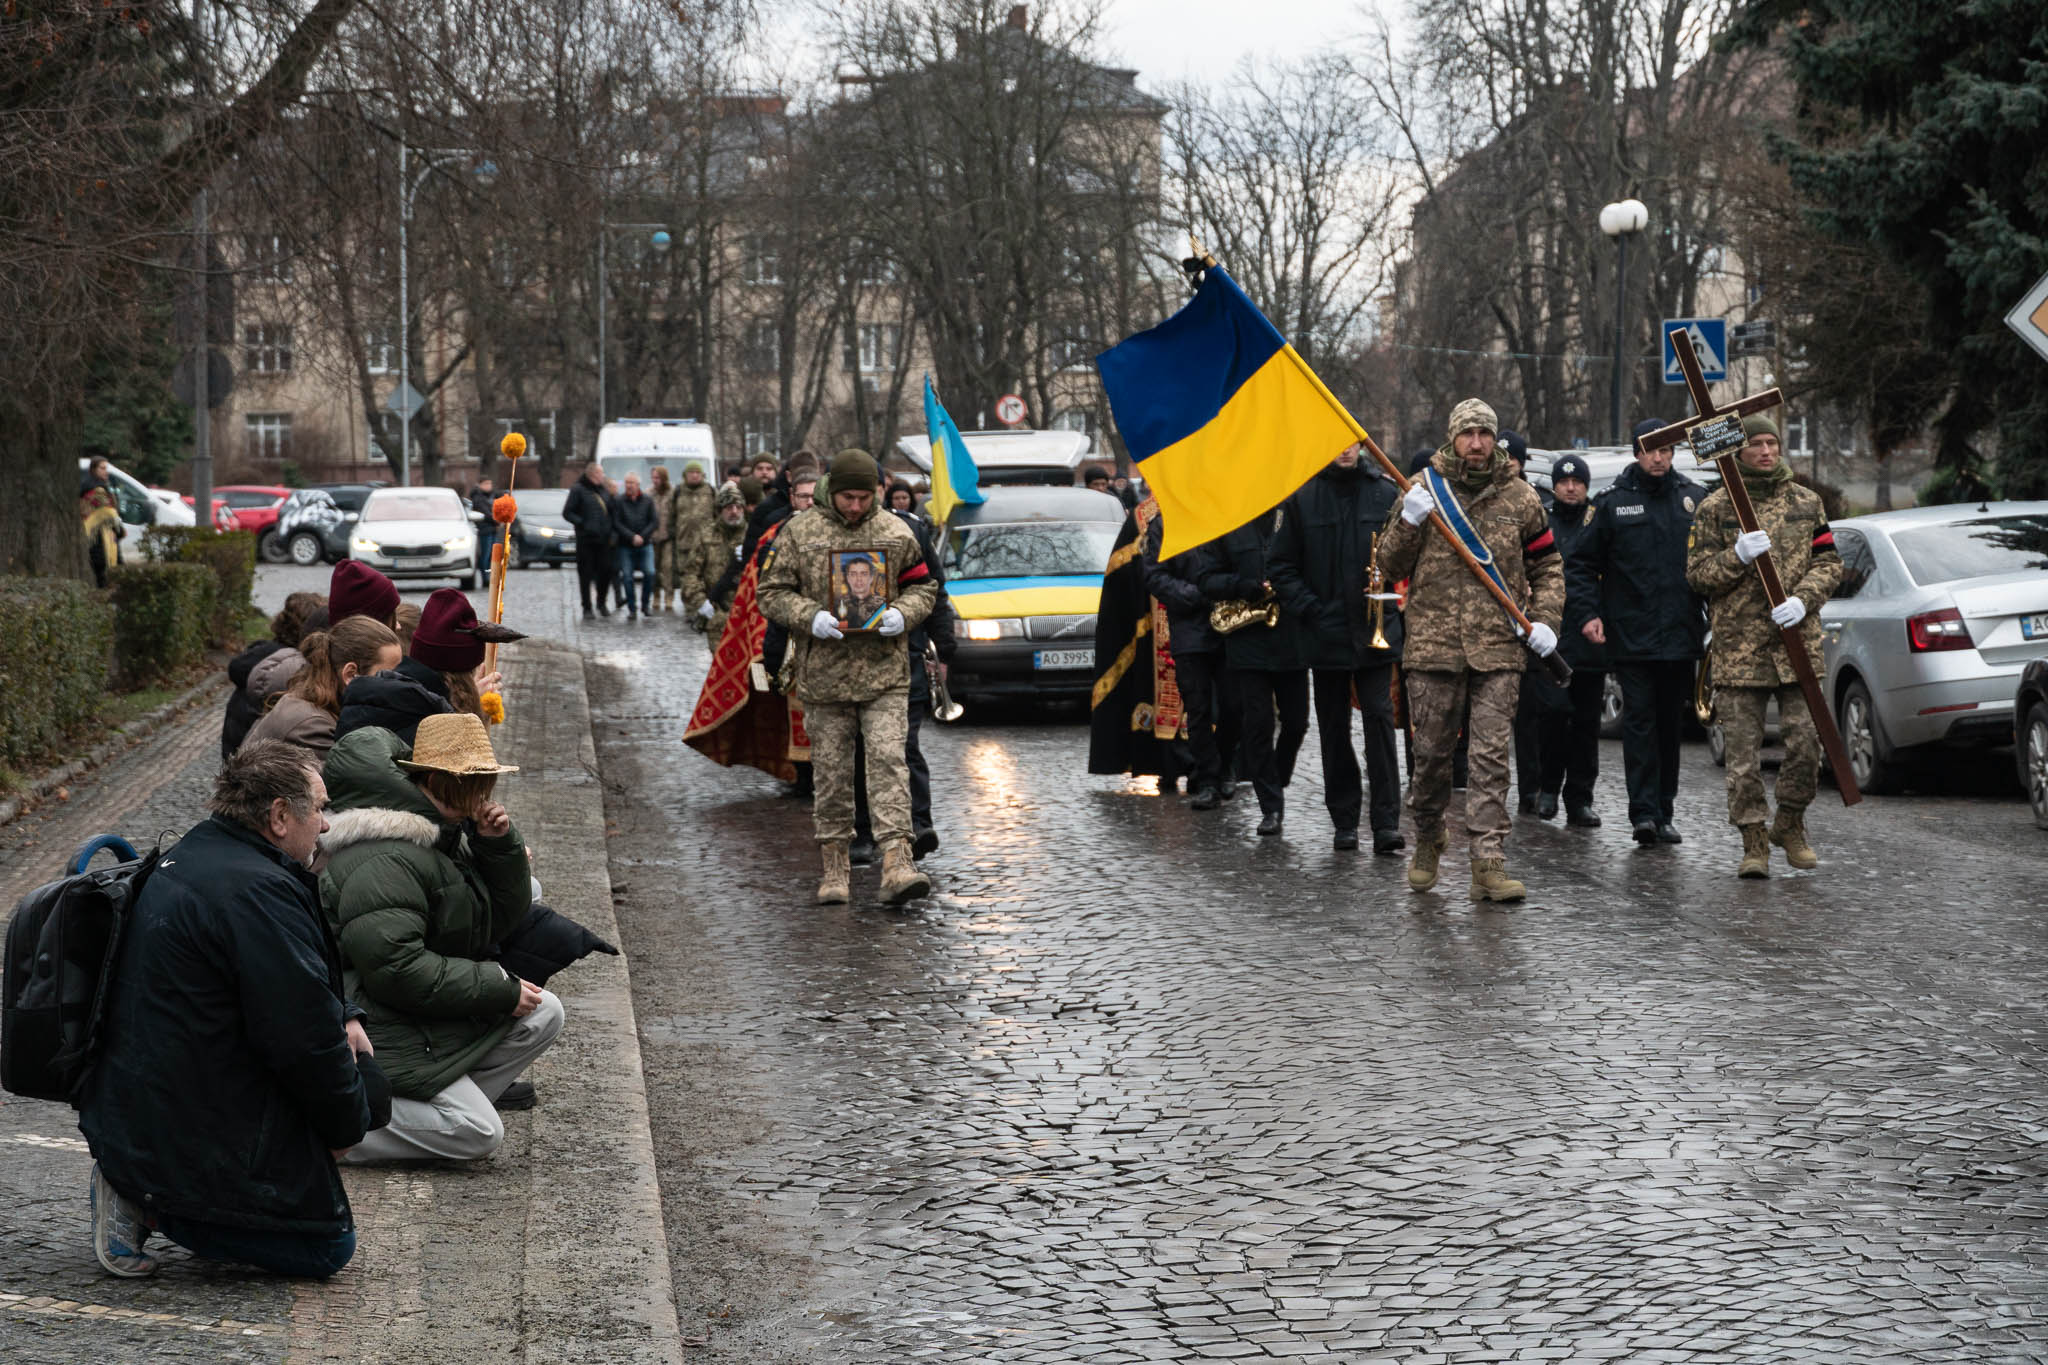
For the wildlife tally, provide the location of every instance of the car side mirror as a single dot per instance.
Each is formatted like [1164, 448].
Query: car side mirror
[348, 516]
[475, 515]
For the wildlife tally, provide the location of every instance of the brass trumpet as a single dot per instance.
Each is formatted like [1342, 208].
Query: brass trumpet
[944, 709]
[1233, 614]
[1376, 597]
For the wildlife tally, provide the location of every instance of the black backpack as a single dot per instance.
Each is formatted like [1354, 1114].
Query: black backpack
[62, 945]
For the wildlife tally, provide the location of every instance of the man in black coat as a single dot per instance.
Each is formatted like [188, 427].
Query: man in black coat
[1321, 560]
[1631, 562]
[588, 508]
[232, 1069]
[1568, 718]
[1210, 711]
[1267, 666]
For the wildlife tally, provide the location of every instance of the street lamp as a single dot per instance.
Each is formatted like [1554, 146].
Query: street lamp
[660, 242]
[1621, 221]
[486, 174]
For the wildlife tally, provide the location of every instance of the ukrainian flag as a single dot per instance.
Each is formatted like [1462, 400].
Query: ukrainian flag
[954, 478]
[1222, 416]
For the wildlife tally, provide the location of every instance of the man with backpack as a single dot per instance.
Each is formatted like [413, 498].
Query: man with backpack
[232, 1072]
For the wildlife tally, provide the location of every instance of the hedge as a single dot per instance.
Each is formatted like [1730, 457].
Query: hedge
[59, 637]
[232, 558]
[162, 614]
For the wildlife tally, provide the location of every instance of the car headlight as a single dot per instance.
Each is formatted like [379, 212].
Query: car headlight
[364, 545]
[544, 532]
[989, 628]
[455, 545]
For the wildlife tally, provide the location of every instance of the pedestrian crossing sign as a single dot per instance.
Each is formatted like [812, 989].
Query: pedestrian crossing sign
[1709, 337]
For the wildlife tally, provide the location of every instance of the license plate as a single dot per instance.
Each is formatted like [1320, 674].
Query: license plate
[2034, 627]
[1063, 658]
[416, 563]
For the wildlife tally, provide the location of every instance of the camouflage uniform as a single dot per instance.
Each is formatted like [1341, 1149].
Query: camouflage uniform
[710, 551]
[690, 514]
[1748, 656]
[859, 683]
[1461, 646]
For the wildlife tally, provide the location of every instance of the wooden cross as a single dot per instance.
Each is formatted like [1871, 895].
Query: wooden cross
[1716, 435]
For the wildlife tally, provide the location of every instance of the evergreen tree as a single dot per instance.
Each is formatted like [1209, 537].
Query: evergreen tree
[1921, 128]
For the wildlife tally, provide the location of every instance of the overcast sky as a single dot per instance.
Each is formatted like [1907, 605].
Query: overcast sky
[1169, 40]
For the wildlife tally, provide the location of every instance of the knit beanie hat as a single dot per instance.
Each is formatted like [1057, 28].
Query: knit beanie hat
[1516, 445]
[728, 495]
[750, 490]
[450, 638]
[356, 589]
[1644, 428]
[854, 468]
[1570, 467]
[1472, 415]
[1759, 425]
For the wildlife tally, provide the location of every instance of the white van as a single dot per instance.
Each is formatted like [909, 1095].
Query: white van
[140, 507]
[635, 445]
[1012, 455]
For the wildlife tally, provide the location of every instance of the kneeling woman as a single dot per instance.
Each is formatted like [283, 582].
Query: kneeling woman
[424, 876]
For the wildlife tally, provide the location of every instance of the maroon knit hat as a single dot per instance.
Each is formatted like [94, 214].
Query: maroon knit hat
[445, 639]
[359, 590]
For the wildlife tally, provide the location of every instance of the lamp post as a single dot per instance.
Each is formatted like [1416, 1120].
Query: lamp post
[485, 173]
[660, 242]
[1621, 221]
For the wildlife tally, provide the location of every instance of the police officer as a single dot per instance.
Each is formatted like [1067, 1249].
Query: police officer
[1321, 558]
[1630, 567]
[1568, 718]
[1267, 666]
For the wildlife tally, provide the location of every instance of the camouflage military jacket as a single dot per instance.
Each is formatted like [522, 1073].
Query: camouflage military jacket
[705, 556]
[690, 512]
[796, 586]
[1453, 621]
[1748, 649]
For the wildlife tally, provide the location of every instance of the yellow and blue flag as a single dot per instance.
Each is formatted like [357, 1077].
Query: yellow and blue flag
[954, 478]
[1221, 416]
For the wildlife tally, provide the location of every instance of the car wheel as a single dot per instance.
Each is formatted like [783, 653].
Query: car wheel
[1610, 708]
[1870, 757]
[272, 549]
[1717, 744]
[306, 549]
[515, 558]
[2034, 744]
[469, 581]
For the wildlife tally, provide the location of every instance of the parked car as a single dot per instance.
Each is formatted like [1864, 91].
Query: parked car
[256, 506]
[313, 523]
[225, 517]
[418, 533]
[2030, 753]
[1940, 610]
[540, 534]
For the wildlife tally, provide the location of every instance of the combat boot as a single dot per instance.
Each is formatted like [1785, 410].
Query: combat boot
[1491, 882]
[1429, 849]
[1788, 832]
[835, 887]
[1756, 853]
[901, 881]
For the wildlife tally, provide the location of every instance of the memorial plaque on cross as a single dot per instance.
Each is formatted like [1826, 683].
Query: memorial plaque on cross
[1715, 433]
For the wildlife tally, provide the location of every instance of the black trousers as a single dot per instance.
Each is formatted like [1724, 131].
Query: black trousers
[1342, 794]
[1654, 696]
[1570, 740]
[593, 572]
[1528, 742]
[920, 771]
[1209, 700]
[1262, 697]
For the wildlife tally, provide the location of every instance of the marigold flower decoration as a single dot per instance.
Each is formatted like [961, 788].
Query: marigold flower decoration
[494, 708]
[513, 446]
[504, 509]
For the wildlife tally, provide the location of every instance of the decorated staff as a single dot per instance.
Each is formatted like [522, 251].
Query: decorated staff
[503, 511]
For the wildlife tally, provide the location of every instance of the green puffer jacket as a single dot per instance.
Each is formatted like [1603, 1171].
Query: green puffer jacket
[416, 904]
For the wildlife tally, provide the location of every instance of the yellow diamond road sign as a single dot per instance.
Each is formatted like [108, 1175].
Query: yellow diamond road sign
[2030, 317]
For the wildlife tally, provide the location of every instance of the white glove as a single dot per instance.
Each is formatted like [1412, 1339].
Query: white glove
[1542, 639]
[891, 623]
[826, 627]
[706, 611]
[1751, 546]
[1416, 505]
[1789, 612]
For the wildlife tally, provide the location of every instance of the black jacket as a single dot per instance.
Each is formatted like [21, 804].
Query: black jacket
[1568, 526]
[1175, 582]
[243, 712]
[398, 701]
[226, 1078]
[1629, 566]
[1319, 560]
[634, 517]
[937, 625]
[588, 508]
[480, 501]
[1236, 566]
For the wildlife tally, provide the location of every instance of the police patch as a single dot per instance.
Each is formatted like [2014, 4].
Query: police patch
[1688, 500]
[1634, 509]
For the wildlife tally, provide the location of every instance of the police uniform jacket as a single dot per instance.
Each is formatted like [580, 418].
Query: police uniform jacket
[1629, 567]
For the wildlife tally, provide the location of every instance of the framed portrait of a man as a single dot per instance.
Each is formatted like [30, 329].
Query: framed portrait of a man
[860, 588]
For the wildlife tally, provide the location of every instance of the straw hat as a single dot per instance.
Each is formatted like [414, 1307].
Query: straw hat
[455, 743]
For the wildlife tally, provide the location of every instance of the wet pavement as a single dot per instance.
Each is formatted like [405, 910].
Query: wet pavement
[1137, 1085]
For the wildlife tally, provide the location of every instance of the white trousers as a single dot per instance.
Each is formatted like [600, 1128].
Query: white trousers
[461, 1123]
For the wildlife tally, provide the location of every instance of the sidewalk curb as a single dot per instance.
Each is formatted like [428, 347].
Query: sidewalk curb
[128, 736]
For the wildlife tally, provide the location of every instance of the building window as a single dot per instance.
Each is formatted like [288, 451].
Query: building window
[759, 263]
[385, 434]
[761, 433]
[1795, 436]
[267, 348]
[1072, 353]
[269, 435]
[880, 347]
[871, 390]
[1074, 419]
[761, 347]
[381, 346]
[539, 432]
[267, 257]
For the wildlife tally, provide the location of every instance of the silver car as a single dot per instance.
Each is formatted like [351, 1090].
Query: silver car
[1939, 610]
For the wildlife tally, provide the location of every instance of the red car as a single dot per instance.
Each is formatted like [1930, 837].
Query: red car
[225, 518]
[255, 505]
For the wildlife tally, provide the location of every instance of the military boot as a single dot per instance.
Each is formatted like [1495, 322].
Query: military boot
[835, 887]
[1756, 853]
[1788, 832]
[1491, 882]
[1429, 849]
[901, 881]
